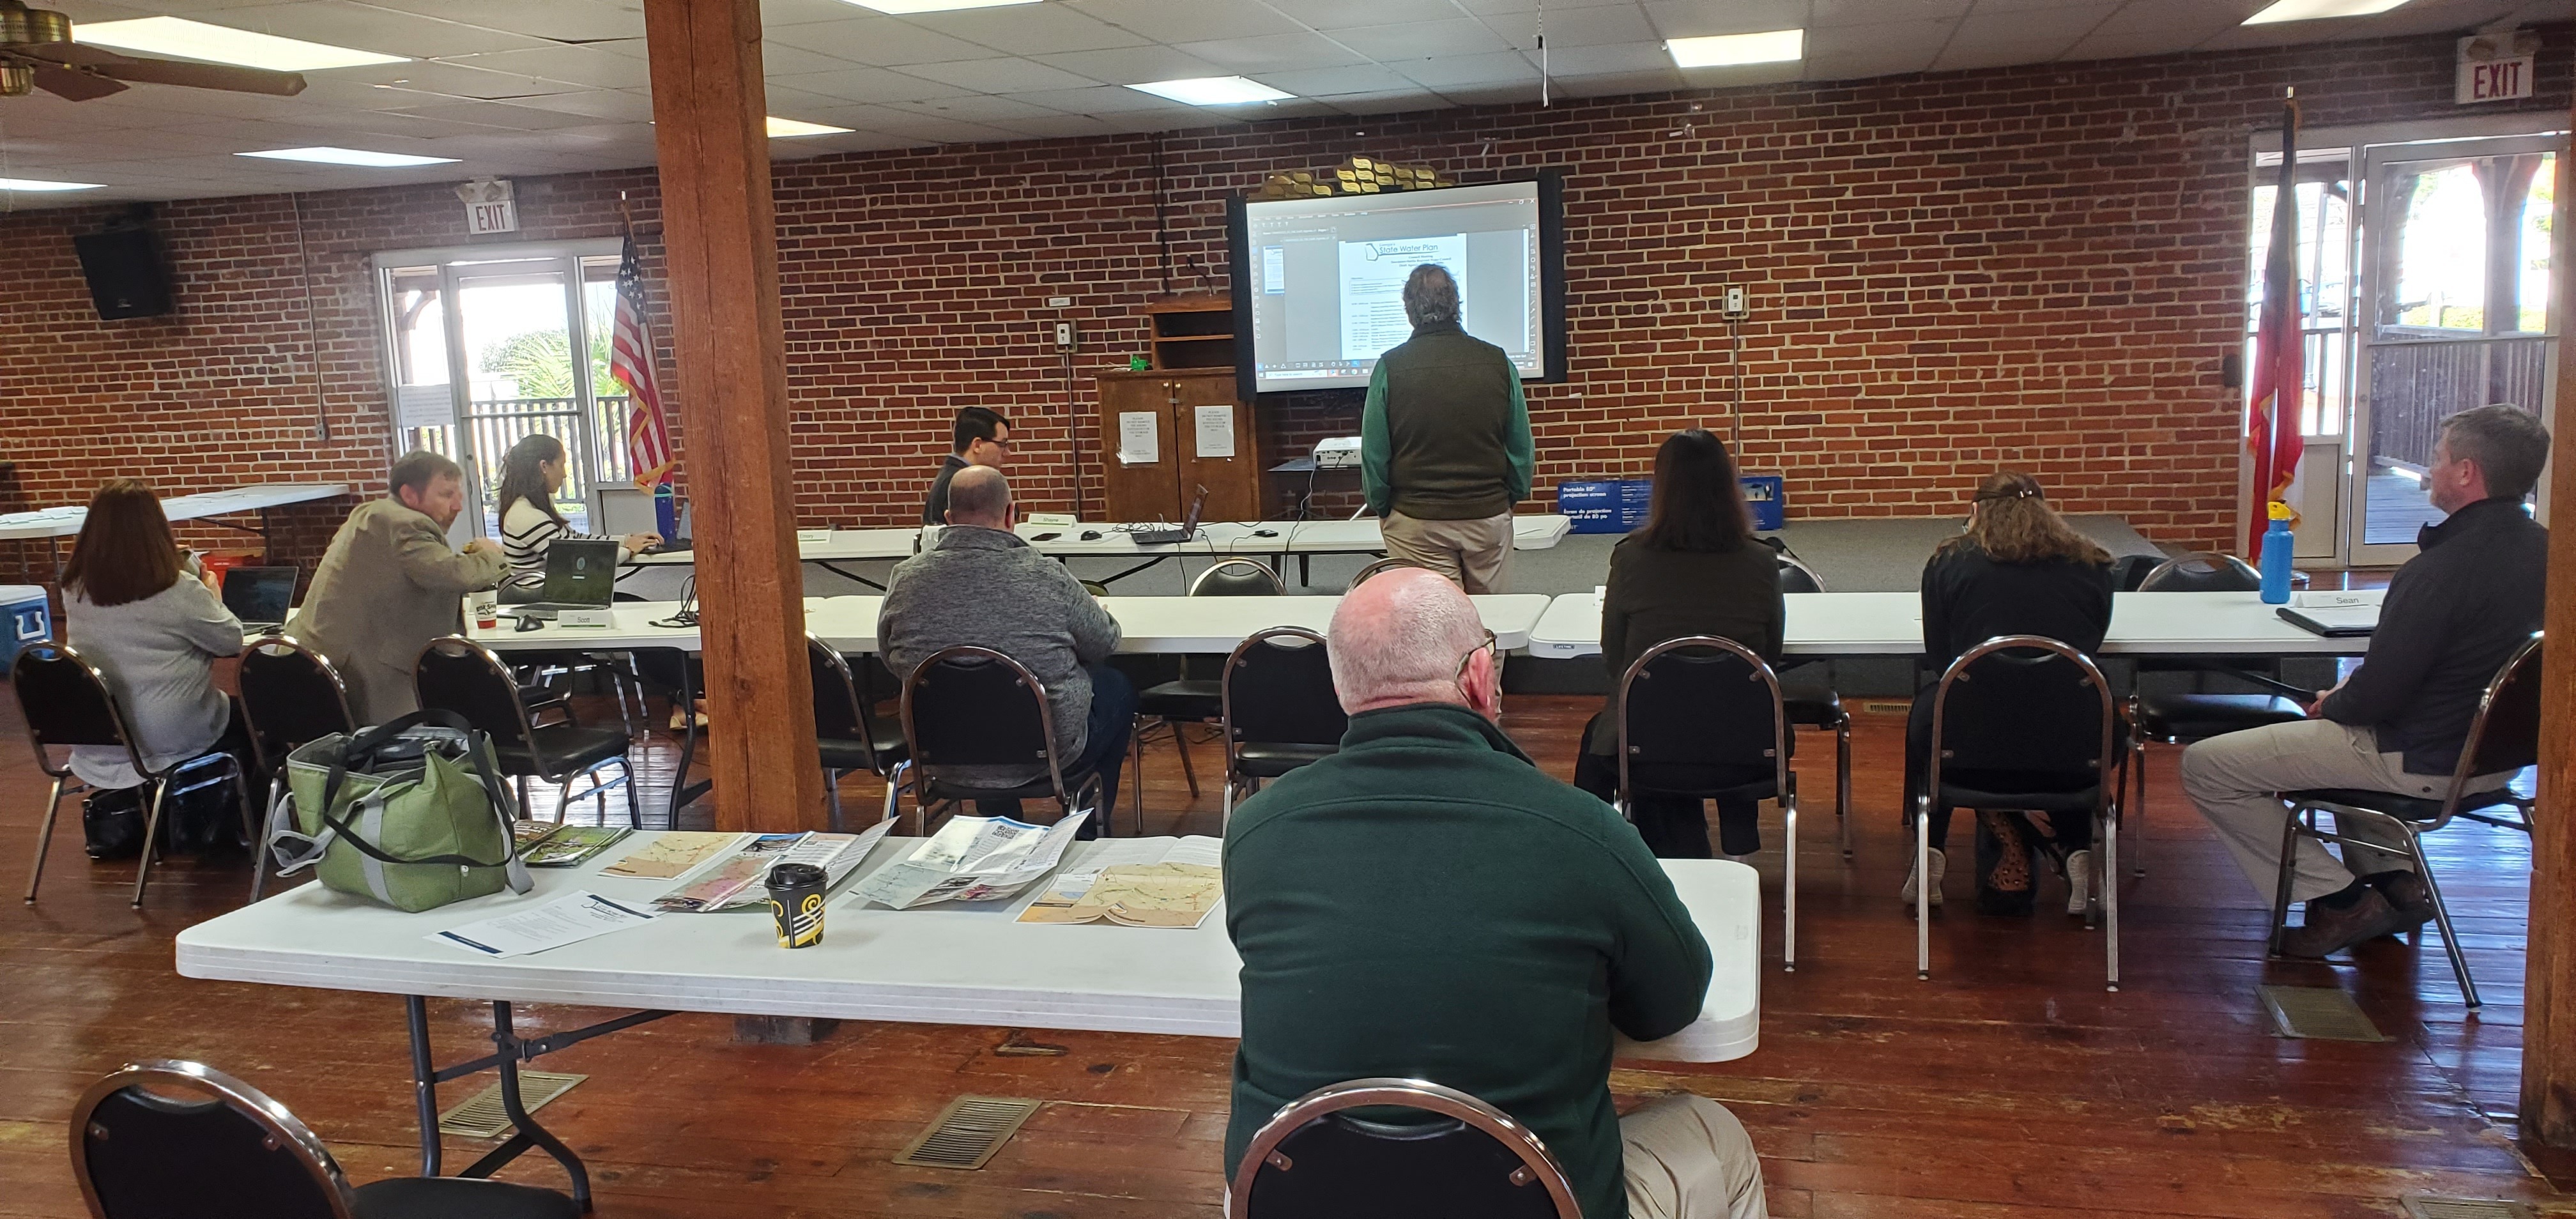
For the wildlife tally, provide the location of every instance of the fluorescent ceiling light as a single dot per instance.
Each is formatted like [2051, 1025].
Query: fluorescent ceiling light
[348, 156]
[1724, 50]
[2310, 10]
[222, 44]
[780, 128]
[908, 7]
[31, 184]
[1213, 91]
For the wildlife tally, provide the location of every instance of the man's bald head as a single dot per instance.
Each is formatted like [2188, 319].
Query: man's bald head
[1399, 637]
[979, 495]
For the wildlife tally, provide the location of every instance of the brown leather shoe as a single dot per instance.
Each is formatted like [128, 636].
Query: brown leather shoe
[2328, 930]
[2408, 894]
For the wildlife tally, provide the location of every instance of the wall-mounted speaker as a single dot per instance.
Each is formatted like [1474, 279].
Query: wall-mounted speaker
[127, 276]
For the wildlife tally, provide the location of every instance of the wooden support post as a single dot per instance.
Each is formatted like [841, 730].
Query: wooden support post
[720, 241]
[2549, 963]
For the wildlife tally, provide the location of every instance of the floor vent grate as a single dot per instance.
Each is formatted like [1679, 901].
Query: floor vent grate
[480, 1117]
[2322, 1013]
[2420, 1207]
[968, 1132]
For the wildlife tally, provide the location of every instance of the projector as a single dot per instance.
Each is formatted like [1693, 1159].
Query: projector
[1337, 453]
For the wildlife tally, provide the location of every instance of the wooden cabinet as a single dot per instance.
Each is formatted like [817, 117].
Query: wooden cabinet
[1176, 403]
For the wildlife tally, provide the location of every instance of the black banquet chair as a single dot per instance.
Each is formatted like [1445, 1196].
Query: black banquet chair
[2024, 723]
[2503, 736]
[1278, 707]
[164, 1137]
[1172, 690]
[2185, 717]
[291, 696]
[1319, 1159]
[1811, 706]
[460, 675]
[847, 734]
[973, 706]
[1702, 718]
[66, 701]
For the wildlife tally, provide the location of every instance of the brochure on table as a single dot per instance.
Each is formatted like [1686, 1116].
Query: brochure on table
[741, 879]
[971, 859]
[1138, 883]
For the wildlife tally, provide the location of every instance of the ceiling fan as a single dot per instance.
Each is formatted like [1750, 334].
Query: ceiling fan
[37, 52]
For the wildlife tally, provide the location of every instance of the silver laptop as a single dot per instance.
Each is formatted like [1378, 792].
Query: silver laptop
[260, 596]
[581, 573]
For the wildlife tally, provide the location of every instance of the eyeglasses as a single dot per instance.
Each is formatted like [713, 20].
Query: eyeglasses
[1489, 645]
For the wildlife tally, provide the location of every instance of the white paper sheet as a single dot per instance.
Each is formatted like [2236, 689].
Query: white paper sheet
[569, 919]
[1140, 440]
[971, 859]
[1215, 426]
[424, 406]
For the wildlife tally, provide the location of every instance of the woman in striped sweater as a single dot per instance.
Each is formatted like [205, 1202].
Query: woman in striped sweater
[530, 474]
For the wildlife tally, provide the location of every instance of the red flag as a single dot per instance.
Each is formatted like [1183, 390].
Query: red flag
[2272, 428]
[630, 361]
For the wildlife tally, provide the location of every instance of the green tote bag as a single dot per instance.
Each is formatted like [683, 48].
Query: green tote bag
[412, 814]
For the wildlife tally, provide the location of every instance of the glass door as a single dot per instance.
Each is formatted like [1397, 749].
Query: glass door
[2458, 313]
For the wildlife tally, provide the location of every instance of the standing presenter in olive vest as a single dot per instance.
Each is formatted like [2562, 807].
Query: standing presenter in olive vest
[1445, 442]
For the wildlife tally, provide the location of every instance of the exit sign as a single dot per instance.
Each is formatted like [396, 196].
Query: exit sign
[491, 206]
[2491, 71]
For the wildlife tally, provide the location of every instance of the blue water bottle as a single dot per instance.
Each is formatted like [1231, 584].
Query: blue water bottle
[2276, 556]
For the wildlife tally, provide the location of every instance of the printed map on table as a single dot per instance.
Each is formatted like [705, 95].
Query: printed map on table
[672, 853]
[1138, 883]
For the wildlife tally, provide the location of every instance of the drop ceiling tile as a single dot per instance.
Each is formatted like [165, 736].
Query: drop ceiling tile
[1031, 29]
[196, 104]
[1915, 41]
[1861, 65]
[505, 116]
[1133, 65]
[1697, 18]
[781, 57]
[1331, 82]
[1466, 71]
[2036, 36]
[1399, 101]
[1061, 127]
[1596, 61]
[561, 20]
[1329, 15]
[624, 105]
[976, 109]
[1423, 39]
[1482, 7]
[1615, 84]
[857, 84]
[998, 75]
[363, 125]
[1104, 99]
[1191, 21]
[878, 41]
[369, 28]
[450, 80]
[591, 67]
[1274, 53]
[1582, 27]
[2417, 17]
[936, 130]
[1876, 12]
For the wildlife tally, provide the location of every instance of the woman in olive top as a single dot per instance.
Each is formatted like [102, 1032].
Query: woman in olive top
[2016, 570]
[1694, 569]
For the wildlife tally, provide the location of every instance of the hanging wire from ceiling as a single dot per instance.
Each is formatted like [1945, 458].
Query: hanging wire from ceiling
[1542, 56]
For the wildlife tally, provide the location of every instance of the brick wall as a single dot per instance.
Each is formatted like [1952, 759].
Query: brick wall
[2036, 266]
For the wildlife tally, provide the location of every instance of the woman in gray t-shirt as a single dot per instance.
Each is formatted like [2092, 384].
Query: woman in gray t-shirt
[133, 607]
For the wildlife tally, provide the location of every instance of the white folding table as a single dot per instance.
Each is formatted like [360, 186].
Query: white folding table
[1275, 540]
[1891, 624]
[949, 964]
[51, 523]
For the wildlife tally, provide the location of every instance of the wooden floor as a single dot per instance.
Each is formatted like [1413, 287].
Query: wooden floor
[2010, 1085]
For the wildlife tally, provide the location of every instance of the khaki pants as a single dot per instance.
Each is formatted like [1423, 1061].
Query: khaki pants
[1686, 1157]
[1476, 555]
[2236, 780]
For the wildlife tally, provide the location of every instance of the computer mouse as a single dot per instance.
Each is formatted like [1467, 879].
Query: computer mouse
[1091, 535]
[1265, 533]
[1045, 537]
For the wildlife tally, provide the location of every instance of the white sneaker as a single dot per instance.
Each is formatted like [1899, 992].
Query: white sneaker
[1940, 868]
[2079, 882]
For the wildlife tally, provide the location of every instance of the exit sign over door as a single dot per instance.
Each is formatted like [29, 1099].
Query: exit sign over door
[2492, 71]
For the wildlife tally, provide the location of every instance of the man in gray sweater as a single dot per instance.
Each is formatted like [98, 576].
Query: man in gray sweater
[980, 584]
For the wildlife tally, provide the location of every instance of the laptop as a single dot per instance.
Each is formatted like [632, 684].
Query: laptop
[581, 573]
[260, 596]
[1164, 535]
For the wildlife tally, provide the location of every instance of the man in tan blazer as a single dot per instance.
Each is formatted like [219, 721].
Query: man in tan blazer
[389, 584]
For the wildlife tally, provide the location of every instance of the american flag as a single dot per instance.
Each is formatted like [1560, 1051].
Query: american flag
[630, 360]
[2273, 430]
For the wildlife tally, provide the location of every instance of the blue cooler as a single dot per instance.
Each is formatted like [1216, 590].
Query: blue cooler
[23, 607]
[1762, 495]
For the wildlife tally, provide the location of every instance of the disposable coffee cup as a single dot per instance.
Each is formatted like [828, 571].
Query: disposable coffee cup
[796, 901]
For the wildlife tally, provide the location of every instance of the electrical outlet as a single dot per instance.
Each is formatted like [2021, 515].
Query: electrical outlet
[1734, 308]
[1064, 336]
